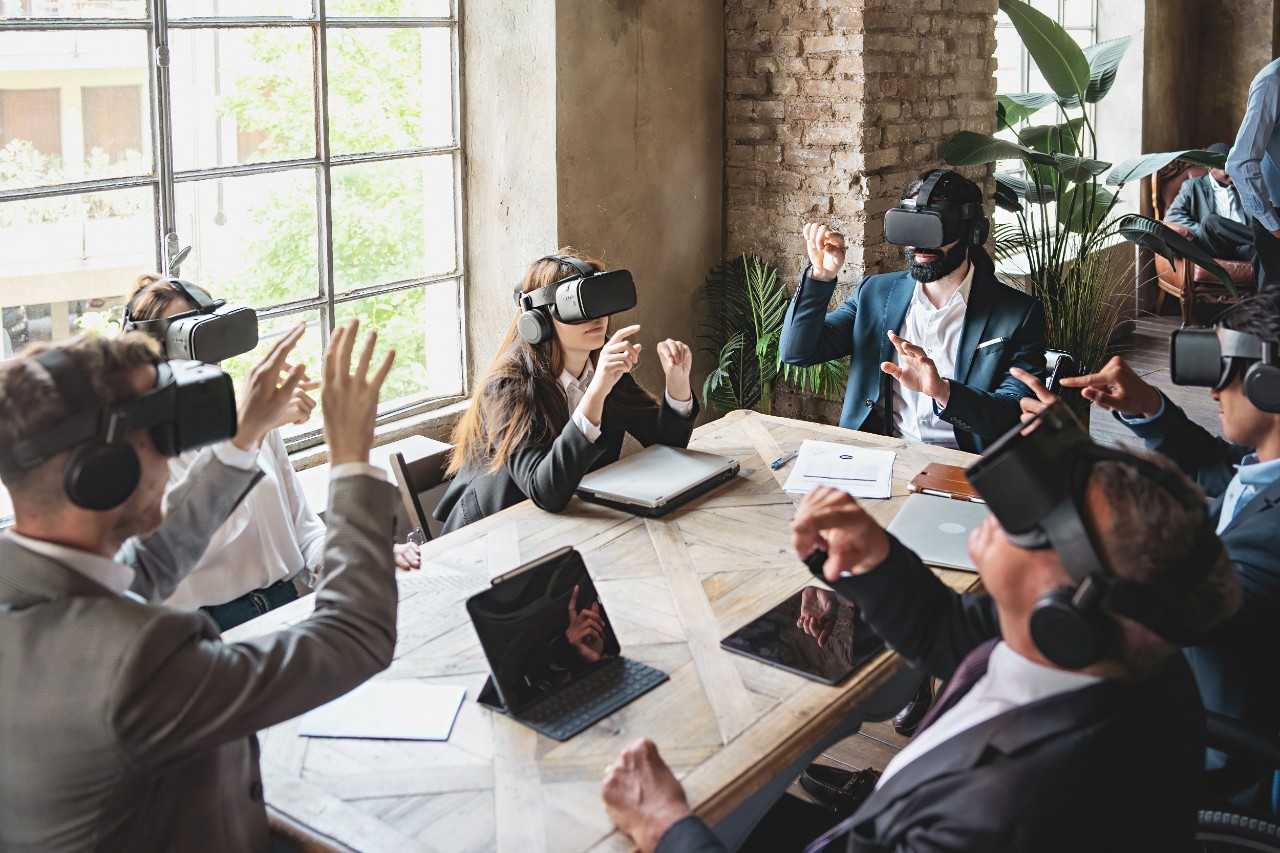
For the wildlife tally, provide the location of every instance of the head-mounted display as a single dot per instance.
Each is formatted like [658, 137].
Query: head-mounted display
[211, 332]
[587, 295]
[1210, 358]
[927, 223]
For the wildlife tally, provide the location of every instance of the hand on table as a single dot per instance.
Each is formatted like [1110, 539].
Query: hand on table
[830, 520]
[642, 795]
[406, 554]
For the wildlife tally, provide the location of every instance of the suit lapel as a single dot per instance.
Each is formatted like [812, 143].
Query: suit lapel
[27, 578]
[1264, 499]
[976, 315]
[894, 312]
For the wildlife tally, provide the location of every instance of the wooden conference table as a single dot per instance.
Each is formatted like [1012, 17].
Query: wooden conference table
[673, 587]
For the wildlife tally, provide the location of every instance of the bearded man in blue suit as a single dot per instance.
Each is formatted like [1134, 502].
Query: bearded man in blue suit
[931, 346]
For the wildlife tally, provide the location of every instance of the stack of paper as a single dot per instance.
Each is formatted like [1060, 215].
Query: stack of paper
[391, 709]
[860, 472]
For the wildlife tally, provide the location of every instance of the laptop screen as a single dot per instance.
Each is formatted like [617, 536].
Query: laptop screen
[542, 627]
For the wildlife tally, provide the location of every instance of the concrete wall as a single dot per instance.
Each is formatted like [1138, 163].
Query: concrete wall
[1236, 38]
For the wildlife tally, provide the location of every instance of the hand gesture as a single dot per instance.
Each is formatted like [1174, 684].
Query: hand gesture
[917, 371]
[641, 794]
[830, 520]
[301, 404]
[677, 361]
[265, 396]
[1041, 397]
[817, 613]
[826, 251]
[1116, 388]
[406, 554]
[351, 398]
[616, 357]
[586, 629]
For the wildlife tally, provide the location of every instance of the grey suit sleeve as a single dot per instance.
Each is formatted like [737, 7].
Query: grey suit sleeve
[1179, 211]
[689, 835]
[181, 690]
[198, 506]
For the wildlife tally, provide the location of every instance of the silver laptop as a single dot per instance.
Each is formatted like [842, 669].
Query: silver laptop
[657, 479]
[938, 529]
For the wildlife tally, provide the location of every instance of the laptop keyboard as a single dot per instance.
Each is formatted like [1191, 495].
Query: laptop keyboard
[582, 703]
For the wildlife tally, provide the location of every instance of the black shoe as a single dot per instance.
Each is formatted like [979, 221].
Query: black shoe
[908, 719]
[842, 791]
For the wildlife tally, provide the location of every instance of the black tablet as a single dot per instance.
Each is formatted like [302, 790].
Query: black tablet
[814, 633]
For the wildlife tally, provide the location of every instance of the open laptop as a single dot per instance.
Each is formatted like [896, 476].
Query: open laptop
[657, 479]
[555, 660]
[938, 529]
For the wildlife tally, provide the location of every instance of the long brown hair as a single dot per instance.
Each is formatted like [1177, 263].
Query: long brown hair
[518, 399]
[153, 294]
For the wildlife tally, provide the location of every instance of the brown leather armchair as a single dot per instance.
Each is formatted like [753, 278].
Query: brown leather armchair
[1181, 278]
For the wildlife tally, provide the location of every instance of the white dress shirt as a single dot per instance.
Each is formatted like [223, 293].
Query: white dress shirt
[938, 331]
[1226, 203]
[575, 388]
[1011, 681]
[116, 577]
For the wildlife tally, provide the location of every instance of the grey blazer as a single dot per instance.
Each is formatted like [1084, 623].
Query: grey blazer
[130, 726]
[1194, 203]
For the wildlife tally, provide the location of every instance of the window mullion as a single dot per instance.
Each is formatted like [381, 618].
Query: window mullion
[324, 187]
[163, 134]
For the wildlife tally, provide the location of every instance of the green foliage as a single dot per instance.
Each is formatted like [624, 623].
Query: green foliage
[747, 305]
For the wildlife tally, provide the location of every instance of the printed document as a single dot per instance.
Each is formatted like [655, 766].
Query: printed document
[390, 709]
[860, 472]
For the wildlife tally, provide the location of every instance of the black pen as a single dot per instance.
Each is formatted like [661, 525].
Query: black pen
[783, 460]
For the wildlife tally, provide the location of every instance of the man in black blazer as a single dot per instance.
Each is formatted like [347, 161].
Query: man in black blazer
[1030, 756]
[966, 321]
[1238, 669]
[1209, 207]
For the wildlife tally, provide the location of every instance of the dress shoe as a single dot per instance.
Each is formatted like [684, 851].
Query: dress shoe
[842, 791]
[908, 719]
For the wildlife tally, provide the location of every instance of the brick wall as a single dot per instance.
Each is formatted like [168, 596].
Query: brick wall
[833, 106]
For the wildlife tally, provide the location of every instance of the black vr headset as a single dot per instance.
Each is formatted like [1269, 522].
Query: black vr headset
[931, 224]
[213, 331]
[192, 405]
[587, 295]
[1034, 481]
[1210, 358]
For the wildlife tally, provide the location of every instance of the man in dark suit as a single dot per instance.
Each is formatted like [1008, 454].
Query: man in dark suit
[932, 346]
[1238, 669]
[1024, 754]
[1209, 207]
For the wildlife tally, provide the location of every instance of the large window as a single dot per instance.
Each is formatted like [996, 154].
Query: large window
[307, 151]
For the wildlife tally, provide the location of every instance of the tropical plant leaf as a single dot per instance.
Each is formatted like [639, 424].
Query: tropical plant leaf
[1012, 109]
[1148, 164]
[1025, 189]
[1053, 138]
[1104, 58]
[1008, 240]
[1079, 170]
[1163, 240]
[967, 148]
[1083, 207]
[1006, 197]
[1060, 60]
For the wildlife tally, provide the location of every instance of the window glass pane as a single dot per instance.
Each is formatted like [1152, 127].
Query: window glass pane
[254, 238]
[79, 255]
[1008, 61]
[72, 9]
[74, 106]
[1077, 13]
[393, 221]
[307, 351]
[422, 325]
[242, 96]
[390, 89]
[402, 8]
[239, 8]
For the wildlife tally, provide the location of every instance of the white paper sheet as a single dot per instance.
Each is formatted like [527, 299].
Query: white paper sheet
[388, 709]
[860, 472]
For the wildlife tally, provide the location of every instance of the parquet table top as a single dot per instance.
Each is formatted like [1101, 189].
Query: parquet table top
[673, 587]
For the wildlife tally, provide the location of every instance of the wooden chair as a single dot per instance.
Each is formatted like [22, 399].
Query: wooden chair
[1187, 281]
[423, 477]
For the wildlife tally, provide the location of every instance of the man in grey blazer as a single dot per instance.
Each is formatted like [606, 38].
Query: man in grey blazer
[129, 725]
[1210, 208]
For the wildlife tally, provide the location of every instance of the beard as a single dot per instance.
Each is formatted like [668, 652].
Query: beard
[941, 265]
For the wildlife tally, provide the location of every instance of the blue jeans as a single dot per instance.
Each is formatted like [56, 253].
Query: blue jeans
[252, 604]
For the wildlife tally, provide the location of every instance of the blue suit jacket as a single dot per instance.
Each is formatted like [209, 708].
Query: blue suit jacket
[1238, 668]
[1007, 323]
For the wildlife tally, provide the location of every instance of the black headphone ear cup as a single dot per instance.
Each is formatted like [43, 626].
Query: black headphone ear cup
[1064, 635]
[534, 326]
[1262, 386]
[101, 476]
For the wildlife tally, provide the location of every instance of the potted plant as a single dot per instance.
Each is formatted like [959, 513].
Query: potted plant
[747, 305]
[1065, 213]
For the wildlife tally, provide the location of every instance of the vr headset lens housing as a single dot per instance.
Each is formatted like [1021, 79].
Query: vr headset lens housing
[212, 332]
[929, 227]
[581, 299]
[1208, 357]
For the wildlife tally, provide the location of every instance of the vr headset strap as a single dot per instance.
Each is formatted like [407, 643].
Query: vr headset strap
[585, 270]
[926, 189]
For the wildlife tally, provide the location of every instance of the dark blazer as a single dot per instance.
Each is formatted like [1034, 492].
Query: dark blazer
[1110, 767]
[984, 397]
[1239, 667]
[1194, 203]
[547, 469]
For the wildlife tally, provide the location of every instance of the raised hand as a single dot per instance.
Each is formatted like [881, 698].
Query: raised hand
[917, 372]
[351, 398]
[1042, 399]
[265, 396]
[1116, 388]
[677, 361]
[826, 251]
[617, 357]
[830, 520]
[301, 404]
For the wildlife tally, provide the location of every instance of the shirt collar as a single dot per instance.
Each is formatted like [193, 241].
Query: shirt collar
[567, 378]
[963, 292]
[1023, 680]
[1258, 474]
[116, 577]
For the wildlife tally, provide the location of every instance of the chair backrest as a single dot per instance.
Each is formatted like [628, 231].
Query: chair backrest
[1058, 365]
[422, 478]
[1166, 183]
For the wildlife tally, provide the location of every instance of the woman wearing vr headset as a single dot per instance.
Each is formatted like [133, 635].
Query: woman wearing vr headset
[557, 399]
[267, 552]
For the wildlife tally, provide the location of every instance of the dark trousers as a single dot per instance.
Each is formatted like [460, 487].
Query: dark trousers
[1266, 265]
[790, 826]
[251, 605]
[1227, 239]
